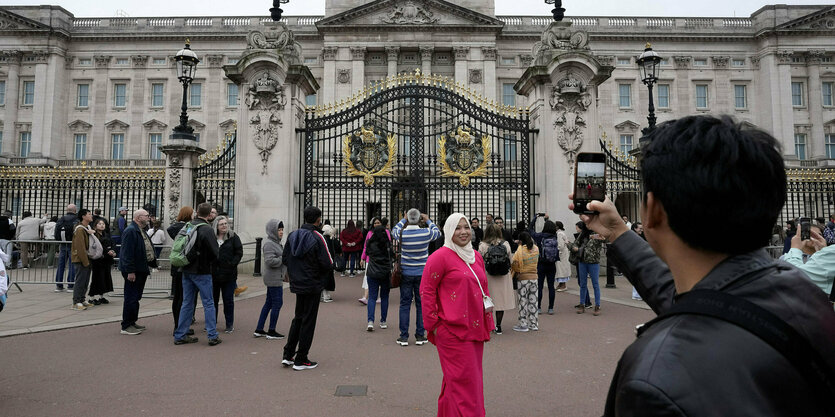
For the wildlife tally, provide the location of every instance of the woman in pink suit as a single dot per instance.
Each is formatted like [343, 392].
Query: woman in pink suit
[454, 317]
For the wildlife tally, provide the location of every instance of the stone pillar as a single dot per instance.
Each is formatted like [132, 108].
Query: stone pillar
[781, 99]
[488, 53]
[98, 142]
[426, 59]
[392, 53]
[40, 134]
[817, 148]
[181, 156]
[12, 104]
[329, 75]
[136, 142]
[357, 68]
[461, 55]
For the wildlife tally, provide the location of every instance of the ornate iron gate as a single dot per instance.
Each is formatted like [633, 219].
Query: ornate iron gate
[214, 178]
[417, 141]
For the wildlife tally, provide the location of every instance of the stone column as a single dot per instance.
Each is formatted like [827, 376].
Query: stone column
[488, 53]
[817, 150]
[181, 156]
[461, 55]
[392, 53]
[426, 59]
[685, 93]
[40, 134]
[12, 104]
[781, 99]
[329, 75]
[135, 144]
[357, 68]
[98, 143]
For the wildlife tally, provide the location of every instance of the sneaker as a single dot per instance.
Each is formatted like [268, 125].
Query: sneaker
[239, 290]
[421, 340]
[519, 328]
[214, 342]
[363, 301]
[534, 328]
[551, 311]
[596, 310]
[259, 333]
[498, 329]
[343, 275]
[94, 302]
[561, 287]
[79, 307]
[86, 304]
[59, 290]
[274, 335]
[139, 327]
[379, 301]
[103, 301]
[190, 332]
[229, 330]
[301, 366]
[370, 327]
[286, 362]
[383, 325]
[327, 300]
[185, 340]
[538, 311]
[588, 305]
[353, 275]
[402, 341]
[131, 331]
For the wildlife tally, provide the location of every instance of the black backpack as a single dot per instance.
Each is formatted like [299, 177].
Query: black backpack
[550, 250]
[64, 229]
[497, 260]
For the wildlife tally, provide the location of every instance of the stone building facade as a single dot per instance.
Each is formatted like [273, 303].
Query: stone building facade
[74, 89]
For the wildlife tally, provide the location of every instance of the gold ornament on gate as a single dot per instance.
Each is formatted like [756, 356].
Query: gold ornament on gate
[465, 157]
[368, 154]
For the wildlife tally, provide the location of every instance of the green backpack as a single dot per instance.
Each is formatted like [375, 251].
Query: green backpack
[181, 254]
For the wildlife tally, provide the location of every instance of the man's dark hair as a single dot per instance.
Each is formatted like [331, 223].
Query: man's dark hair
[204, 209]
[27, 214]
[497, 218]
[820, 220]
[311, 214]
[635, 225]
[549, 227]
[718, 171]
[97, 212]
[82, 213]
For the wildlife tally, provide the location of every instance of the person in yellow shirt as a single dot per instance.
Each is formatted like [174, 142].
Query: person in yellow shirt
[523, 267]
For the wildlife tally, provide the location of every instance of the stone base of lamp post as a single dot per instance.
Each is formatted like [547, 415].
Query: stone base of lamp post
[181, 155]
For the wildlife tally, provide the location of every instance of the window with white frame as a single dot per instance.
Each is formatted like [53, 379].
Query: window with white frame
[508, 60]
[702, 99]
[508, 95]
[231, 61]
[80, 146]
[117, 146]
[800, 146]
[663, 96]
[28, 93]
[624, 96]
[827, 88]
[510, 214]
[738, 62]
[83, 94]
[510, 147]
[700, 62]
[157, 94]
[740, 96]
[231, 95]
[829, 143]
[155, 143]
[121, 61]
[195, 95]
[626, 143]
[624, 61]
[120, 95]
[310, 100]
[2, 92]
[310, 61]
[25, 144]
[159, 61]
[797, 94]
[85, 62]
[1, 137]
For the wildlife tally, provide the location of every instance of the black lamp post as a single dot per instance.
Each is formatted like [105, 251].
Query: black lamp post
[275, 11]
[558, 11]
[649, 63]
[186, 67]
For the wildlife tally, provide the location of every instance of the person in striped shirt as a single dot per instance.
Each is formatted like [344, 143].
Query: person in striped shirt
[414, 243]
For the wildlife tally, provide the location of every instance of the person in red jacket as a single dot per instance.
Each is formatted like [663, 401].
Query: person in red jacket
[351, 238]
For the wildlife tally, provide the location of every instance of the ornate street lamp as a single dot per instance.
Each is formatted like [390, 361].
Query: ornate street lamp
[186, 67]
[275, 11]
[649, 63]
[558, 11]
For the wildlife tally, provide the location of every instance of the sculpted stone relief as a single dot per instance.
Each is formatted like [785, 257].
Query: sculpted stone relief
[265, 99]
[277, 36]
[560, 36]
[410, 13]
[570, 100]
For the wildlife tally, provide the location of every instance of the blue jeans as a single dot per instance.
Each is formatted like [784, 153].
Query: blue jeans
[274, 301]
[64, 260]
[592, 270]
[351, 260]
[192, 283]
[410, 288]
[381, 287]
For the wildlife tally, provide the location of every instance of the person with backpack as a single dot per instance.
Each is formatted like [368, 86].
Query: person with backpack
[523, 265]
[379, 256]
[135, 261]
[81, 260]
[197, 243]
[185, 215]
[496, 254]
[549, 255]
[63, 233]
[274, 272]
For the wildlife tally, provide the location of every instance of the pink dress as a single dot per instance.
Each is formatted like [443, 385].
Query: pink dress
[455, 321]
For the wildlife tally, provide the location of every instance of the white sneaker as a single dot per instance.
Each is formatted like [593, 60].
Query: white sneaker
[78, 306]
[327, 300]
[519, 328]
[383, 325]
[370, 327]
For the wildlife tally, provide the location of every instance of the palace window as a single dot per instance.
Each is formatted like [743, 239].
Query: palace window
[625, 96]
[83, 96]
[121, 61]
[830, 145]
[232, 95]
[797, 94]
[626, 143]
[85, 62]
[117, 146]
[738, 62]
[700, 62]
[508, 95]
[624, 61]
[510, 213]
[310, 100]
[155, 143]
[158, 61]
[508, 60]
[195, 95]
[663, 96]
[702, 98]
[827, 89]
[740, 96]
[2, 93]
[28, 93]
[120, 95]
[25, 144]
[800, 146]
[510, 154]
[157, 94]
[80, 146]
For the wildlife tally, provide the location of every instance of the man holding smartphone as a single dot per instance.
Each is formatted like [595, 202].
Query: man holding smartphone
[700, 364]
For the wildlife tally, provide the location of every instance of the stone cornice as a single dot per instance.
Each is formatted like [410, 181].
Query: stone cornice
[341, 21]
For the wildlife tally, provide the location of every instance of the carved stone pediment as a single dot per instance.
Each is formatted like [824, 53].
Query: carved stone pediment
[154, 125]
[79, 125]
[228, 124]
[406, 15]
[195, 124]
[116, 125]
[14, 22]
[823, 20]
[627, 126]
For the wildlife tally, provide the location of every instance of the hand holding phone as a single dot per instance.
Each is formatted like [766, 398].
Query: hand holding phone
[805, 228]
[589, 181]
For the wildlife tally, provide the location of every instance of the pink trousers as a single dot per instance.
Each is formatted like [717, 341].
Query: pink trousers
[462, 390]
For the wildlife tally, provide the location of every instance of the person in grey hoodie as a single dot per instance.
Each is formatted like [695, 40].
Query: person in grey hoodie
[273, 272]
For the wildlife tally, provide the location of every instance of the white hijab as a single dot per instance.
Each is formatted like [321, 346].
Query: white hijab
[466, 253]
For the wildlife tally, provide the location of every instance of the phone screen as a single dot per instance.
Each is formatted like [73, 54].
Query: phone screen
[589, 180]
[805, 228]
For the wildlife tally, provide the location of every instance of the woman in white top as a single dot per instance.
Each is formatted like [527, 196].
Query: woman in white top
[157, 236]
[563, 265]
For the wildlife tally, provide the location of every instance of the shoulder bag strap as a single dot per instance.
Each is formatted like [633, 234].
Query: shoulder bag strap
[477, 280]
[761, 323]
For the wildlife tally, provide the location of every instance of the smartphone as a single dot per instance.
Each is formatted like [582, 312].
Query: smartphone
[589, 180]
[805, 228]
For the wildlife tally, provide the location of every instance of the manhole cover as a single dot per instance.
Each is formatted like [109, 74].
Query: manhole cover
[351, 390]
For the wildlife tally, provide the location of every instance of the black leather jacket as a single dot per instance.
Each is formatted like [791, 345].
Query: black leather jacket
[699, 366]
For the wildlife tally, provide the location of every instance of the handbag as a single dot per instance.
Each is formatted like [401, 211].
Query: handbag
[95, 251]
[488, 302]
[576, 257]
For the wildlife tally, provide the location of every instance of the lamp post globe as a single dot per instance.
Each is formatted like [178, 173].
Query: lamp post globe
[649, 63]
[558, 11]
[275, 11]
[187, 62]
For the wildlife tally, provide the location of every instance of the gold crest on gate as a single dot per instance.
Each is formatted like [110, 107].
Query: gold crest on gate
[368, 154]
[464, 156]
